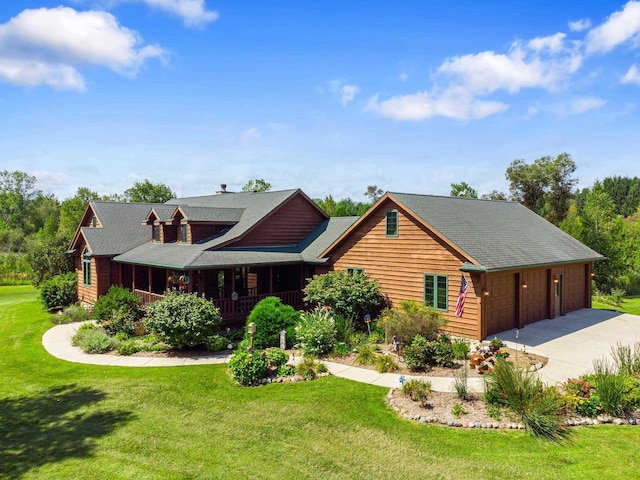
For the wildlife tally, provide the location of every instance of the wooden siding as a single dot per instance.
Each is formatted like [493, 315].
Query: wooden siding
[100, 279]
[400, 263]
[292, 222]
[200, 231]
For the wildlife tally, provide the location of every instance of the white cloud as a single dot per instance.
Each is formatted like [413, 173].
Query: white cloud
[462, 82]
[403, 76]
[584, 104]
[250, 135]
[622, 26]
[45, 47]
[193, 13]
[580, 25]
[632, 75]
[348, 93]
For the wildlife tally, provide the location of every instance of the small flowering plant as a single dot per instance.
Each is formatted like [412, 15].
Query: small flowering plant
[581, 397]
[501, 353]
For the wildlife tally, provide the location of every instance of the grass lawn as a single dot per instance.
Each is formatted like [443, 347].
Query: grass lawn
[629, 304]
[60, 420]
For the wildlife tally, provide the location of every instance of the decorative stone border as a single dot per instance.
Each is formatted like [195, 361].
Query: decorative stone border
[570, 422]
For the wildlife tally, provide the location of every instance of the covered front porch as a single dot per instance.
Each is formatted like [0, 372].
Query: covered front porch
[234, 290]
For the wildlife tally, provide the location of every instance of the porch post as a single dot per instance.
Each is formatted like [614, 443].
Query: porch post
[270, 279]
[150, 277]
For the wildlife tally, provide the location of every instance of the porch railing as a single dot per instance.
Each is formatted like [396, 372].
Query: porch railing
[233, 311]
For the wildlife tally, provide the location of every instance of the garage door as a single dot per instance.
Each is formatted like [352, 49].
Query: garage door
[535, 296]
[501, 303]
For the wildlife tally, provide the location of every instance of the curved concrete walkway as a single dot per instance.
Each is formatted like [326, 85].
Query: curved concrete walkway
[571, 343]
[57, 341]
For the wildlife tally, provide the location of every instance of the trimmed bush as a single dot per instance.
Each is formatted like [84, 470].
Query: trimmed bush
[121, 321]
[59, 292]
[117, 298]
[183, 320]
[271, 316]
[412, 318]
[350, 295]
[248, 368]
[215, 343]
[316, 332]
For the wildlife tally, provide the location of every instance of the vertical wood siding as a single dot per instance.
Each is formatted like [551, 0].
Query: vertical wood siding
[399, 264]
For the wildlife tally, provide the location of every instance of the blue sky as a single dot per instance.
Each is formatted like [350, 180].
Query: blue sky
[327, 96]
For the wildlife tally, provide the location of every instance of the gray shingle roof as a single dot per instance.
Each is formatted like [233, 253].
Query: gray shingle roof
[247, 209]
[121, 227]
[497, 234]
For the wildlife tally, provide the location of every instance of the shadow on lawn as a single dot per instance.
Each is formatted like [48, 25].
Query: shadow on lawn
[52, 426]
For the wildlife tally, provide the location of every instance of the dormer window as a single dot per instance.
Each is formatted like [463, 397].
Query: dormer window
[183, 233]
[156, 233]
[94, 221]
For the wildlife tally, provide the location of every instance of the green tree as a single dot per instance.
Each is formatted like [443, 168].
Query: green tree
[463, 189]
[72, 209]
[257, 185]
[494, 195]
[148, 192]
[624, 192]
[545, 186]
[17, 193]
[344, 208]
[374, 193]
[48, 258]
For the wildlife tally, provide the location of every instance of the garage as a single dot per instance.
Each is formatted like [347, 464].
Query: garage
[501, 302]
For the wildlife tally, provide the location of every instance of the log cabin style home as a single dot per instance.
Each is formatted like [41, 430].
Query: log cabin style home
[232, 248]
[519, 268]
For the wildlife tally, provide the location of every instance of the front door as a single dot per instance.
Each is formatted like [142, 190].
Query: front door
[557, 291]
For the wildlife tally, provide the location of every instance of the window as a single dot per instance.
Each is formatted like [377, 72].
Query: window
[183, 233]
[156, 233]
[392, 223]
[94, 221]
[352, 270]
[86, 268]
[436, 291]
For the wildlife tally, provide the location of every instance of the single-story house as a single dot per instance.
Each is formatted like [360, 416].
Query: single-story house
[231, 248]
[519, 268]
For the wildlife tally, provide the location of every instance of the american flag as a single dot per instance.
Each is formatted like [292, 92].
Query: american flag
[462, 295]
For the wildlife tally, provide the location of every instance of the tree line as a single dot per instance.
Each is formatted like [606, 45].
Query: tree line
[36, 228]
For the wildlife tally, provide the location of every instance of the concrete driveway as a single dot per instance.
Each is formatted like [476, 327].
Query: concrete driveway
[574, 341]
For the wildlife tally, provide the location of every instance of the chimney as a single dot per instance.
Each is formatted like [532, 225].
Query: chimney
[223, 189]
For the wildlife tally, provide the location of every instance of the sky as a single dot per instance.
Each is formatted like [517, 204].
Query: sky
[329, 96]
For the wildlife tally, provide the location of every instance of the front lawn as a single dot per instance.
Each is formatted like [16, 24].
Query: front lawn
[61, 420]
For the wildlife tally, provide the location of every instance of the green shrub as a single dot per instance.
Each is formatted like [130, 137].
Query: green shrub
[626, 358]
[344, 328]
[349, 295]
[93, 339]
[60, 291]
[309, 368]
[357, 339]
[248, 368]
[461, 383]
[412, 318]
[494, 412]
[496, 343]
[340, 349]
[423, 353]
[524, 394]
[121, 321]
[215, 343]
[417, 390]
[442, 352]
[458, 410]
[316, 332]
[376, 337]
[610, 387]
[581, 398]
[116, 299]
[286, 370]
[386, 363]
[365, 354]
[276, 357]
[182, 319]
[71, 314]
[460, 347]
[271, 316]
[128, 347]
